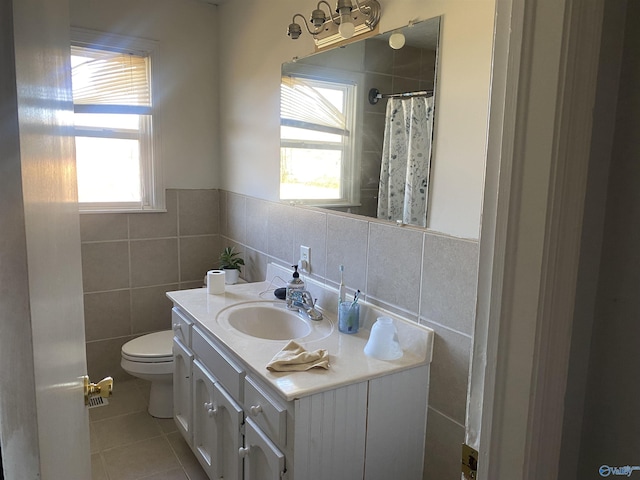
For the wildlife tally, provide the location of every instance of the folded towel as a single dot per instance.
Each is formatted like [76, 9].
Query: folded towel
[294, 358]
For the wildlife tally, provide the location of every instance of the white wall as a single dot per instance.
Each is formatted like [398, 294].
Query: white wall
[254, 44]
[187, 60]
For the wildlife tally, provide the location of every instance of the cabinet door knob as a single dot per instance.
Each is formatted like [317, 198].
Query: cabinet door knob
[243, 452]
[255, 410]
[211, 408]
[176, 327]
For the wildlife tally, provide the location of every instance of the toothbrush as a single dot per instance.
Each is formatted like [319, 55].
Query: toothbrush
[356, 296]
[341, 289]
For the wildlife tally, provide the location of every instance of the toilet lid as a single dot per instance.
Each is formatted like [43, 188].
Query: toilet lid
[151, 346]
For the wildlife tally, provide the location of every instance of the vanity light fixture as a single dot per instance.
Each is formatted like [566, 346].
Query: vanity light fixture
[348, 20]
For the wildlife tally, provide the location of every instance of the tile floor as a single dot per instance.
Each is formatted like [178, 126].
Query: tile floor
[129, 444]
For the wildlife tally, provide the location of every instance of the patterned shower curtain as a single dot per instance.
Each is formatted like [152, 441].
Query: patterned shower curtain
[406, 153]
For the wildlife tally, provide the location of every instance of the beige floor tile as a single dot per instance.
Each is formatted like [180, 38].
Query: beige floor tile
[175, 474]
[167, 425]
[93, 440]
[97, 468]
[137, 460]
[125, 429]
[186, 457]
[123, 401]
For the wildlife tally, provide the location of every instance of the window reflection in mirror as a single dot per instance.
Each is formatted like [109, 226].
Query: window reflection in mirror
[316, 154]
[333, 139]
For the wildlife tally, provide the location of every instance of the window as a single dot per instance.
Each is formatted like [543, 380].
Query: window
[113, 117]
[316, 141]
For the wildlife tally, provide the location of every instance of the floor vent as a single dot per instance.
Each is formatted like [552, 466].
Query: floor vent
[98, 402]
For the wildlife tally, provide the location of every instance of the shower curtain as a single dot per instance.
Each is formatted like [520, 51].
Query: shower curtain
[406, 154]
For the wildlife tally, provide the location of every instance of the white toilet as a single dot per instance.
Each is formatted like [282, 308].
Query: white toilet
[150, 357]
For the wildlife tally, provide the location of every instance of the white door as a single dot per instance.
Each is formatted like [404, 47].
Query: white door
[228, 424]
[205, 409]
[263, 460]
[44, 425]
[538, 148]
[182, 407]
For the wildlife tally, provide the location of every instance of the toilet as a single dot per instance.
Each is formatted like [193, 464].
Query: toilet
[150, 357]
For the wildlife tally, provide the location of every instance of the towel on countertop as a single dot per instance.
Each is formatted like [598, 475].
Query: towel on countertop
[294, 358]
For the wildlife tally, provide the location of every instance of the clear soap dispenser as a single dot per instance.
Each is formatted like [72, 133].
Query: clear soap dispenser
[295, 287]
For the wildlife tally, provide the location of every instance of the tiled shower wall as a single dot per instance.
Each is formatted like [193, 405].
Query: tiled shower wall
[130, 260]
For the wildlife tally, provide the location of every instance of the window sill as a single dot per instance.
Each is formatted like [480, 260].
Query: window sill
[122, 210]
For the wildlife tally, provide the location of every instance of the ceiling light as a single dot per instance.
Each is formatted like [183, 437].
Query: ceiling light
[396, 41]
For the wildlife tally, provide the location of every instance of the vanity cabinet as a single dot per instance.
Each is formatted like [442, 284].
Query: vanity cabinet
[240, 427]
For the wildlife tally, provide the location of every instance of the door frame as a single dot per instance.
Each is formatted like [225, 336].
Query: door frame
[543, 90]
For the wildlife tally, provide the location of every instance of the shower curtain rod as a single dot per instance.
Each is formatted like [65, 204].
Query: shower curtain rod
[375, 95]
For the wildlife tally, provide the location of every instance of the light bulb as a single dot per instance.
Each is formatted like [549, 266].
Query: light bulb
[396, 41]
[346, 28]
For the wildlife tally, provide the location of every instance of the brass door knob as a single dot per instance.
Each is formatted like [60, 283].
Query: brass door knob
[104, 388]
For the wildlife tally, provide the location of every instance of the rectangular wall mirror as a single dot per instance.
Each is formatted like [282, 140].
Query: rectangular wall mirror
[357, 125]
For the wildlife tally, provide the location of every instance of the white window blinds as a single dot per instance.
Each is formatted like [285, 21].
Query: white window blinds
[103, 79]
[302, 106]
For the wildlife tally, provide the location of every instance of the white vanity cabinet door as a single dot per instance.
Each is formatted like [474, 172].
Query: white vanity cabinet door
[263, 460]
[217, 422]
[182, 364]
[228, 423]
[205, 439]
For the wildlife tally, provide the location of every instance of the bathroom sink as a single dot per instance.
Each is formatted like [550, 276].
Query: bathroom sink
[271, 321]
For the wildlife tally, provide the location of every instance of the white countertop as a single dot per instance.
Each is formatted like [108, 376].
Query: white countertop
[348, 362]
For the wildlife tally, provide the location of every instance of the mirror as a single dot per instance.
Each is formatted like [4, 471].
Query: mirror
[341, 147]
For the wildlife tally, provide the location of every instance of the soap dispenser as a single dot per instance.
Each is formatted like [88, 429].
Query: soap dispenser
[295, 287]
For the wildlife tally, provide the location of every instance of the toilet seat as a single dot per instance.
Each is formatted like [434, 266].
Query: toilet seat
[151, 348]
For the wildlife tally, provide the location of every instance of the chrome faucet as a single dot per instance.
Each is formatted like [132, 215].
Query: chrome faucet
[304, 303]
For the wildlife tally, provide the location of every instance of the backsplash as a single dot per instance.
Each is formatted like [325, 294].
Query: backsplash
[130, 260]
[424, 276]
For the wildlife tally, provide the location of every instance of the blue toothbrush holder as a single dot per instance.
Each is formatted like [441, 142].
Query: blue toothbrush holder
[348, 317]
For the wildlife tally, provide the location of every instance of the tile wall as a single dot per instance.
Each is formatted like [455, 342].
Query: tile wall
[130, 260]
[427, 277]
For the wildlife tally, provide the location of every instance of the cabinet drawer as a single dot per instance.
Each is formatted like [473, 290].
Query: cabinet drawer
[268, 413]
[228, 372]
[181, 326]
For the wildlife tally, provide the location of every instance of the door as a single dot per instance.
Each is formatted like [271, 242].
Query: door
[217, 420]
[182, 408]
[263, 460]
[205, 409]
[538, 150]
[42, 352]
[228, 424]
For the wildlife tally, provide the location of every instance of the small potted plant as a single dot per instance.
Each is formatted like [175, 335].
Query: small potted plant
[231, 262]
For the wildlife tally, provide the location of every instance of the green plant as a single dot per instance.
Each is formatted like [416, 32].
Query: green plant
[230, 259]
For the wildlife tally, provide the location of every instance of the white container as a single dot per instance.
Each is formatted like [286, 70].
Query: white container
[383, 341]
